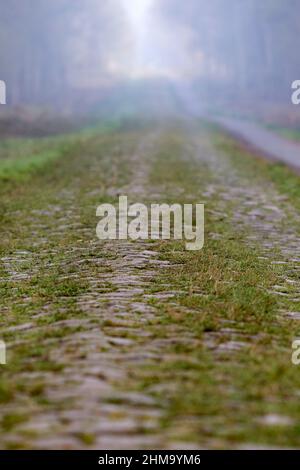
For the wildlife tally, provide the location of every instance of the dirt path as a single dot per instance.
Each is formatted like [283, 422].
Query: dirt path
[263, 140]
[139, 344]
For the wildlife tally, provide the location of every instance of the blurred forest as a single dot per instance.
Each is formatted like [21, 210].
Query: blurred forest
[250, 44]
[72, 53]
[48, 48]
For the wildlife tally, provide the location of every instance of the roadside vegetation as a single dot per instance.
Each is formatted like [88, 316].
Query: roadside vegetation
[224, 377]
[230, 371]
[286, 180]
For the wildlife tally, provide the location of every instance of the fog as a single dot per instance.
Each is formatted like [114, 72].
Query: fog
[81, 54]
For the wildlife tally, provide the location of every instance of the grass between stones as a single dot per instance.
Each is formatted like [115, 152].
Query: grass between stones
[46, 253]
[233, 371]
[225, 349]
[286, 180]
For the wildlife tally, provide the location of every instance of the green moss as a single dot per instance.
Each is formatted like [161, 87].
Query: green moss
[9, 421]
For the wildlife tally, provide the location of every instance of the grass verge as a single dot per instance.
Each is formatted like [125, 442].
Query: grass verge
[227, 365]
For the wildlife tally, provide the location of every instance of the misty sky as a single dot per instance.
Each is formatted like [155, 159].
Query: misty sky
[91, 45]
[158, 47]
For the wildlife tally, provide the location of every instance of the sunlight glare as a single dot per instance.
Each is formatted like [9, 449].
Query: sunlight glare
[137, 10]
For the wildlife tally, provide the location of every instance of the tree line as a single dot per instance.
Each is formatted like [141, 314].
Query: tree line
[249, 46]
[47, 48]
